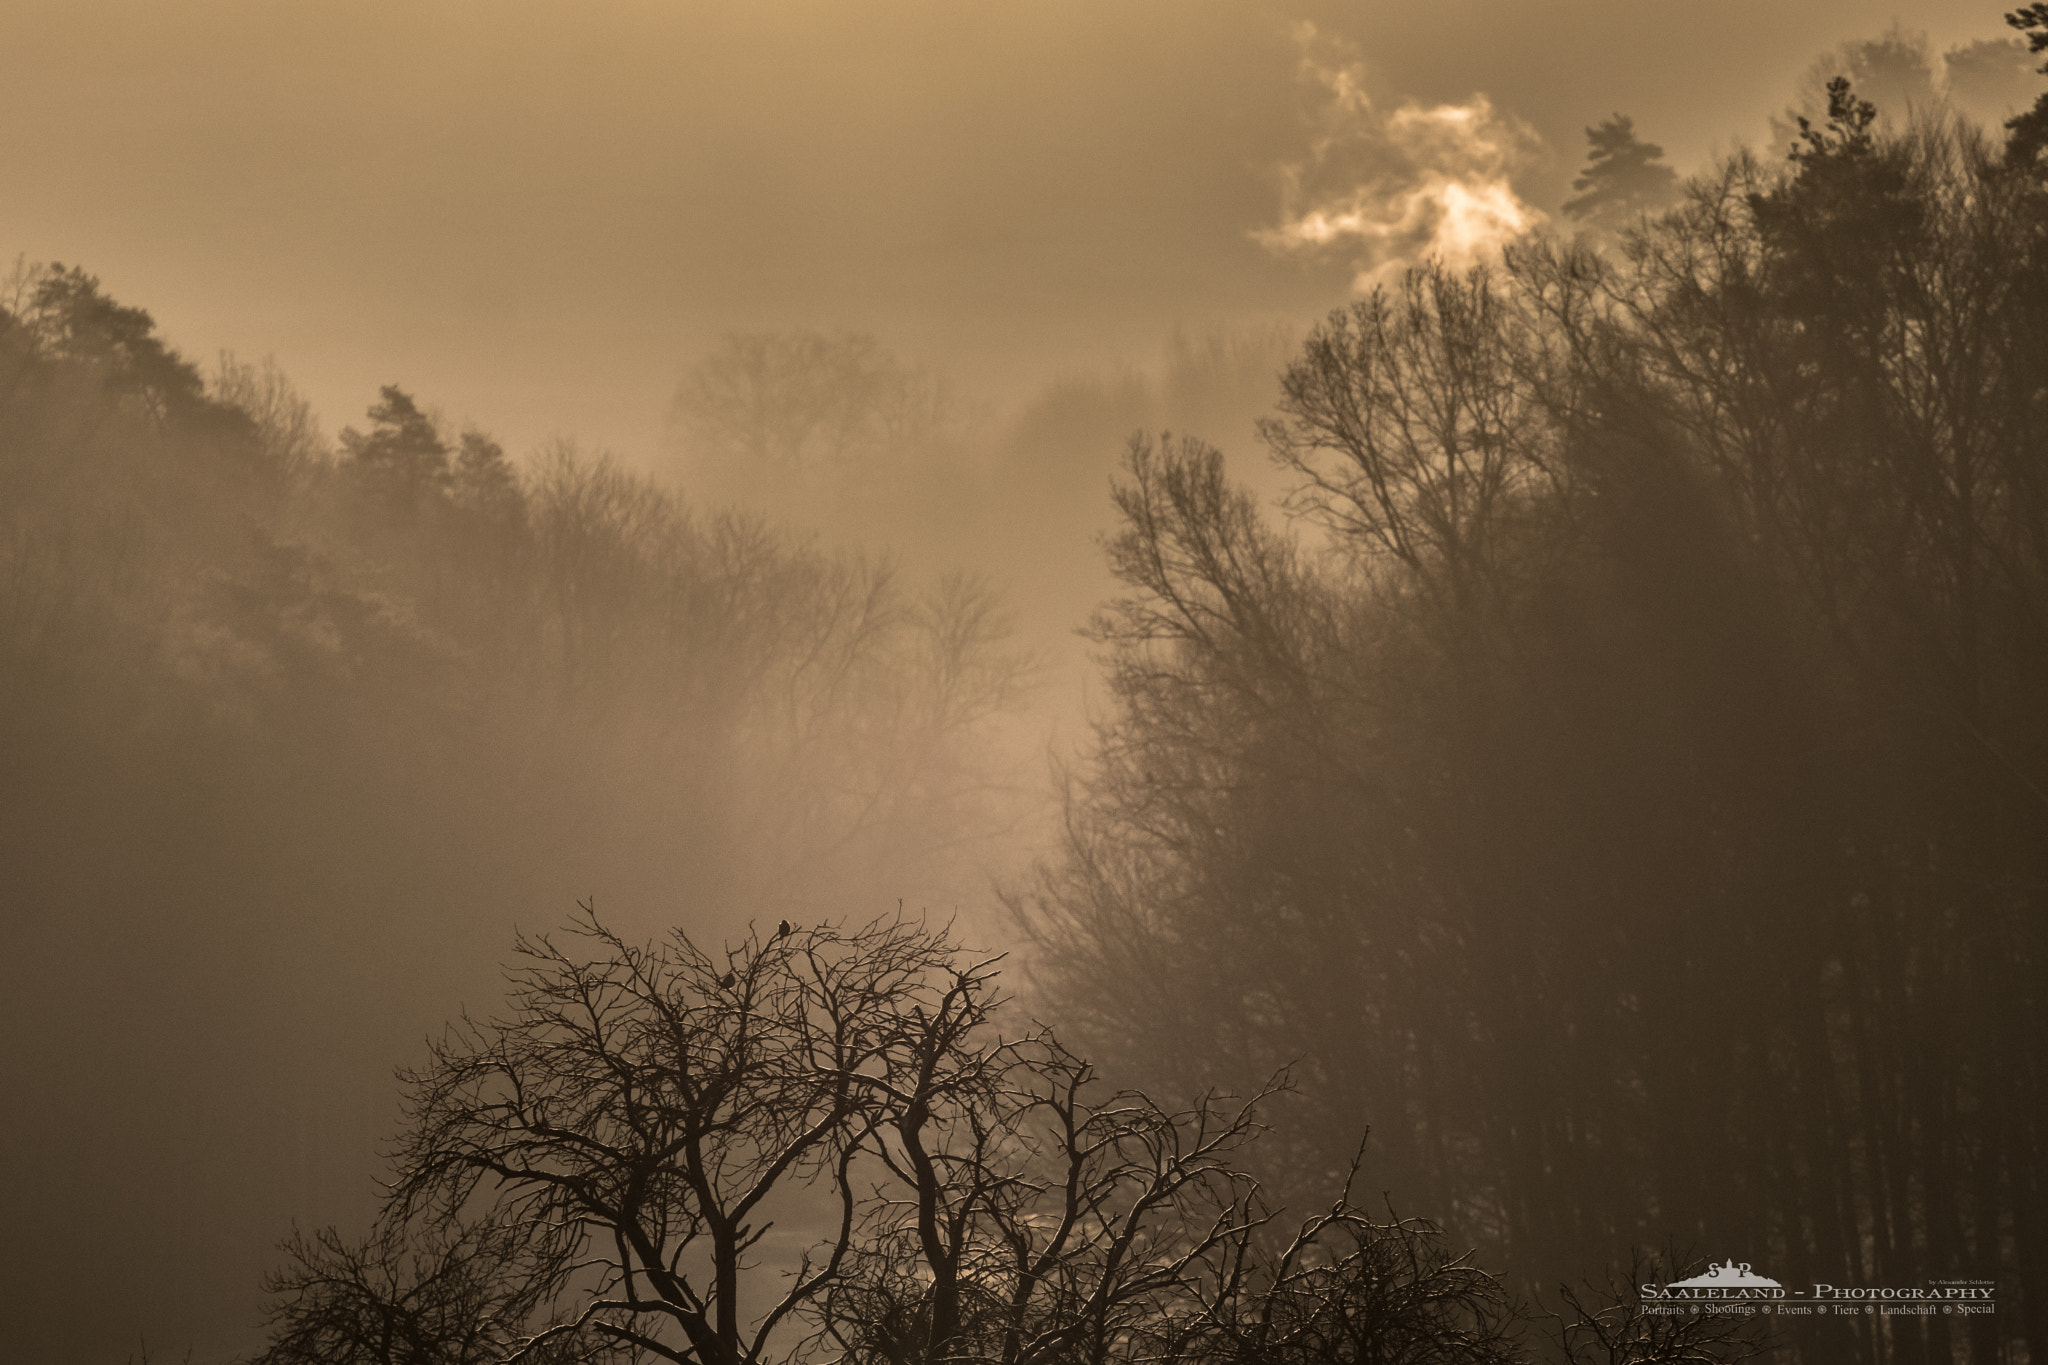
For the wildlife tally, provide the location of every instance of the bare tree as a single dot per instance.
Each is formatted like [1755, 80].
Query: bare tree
[780, 402]
[641, 1108]
[1410, 428]
[460, 1293]
[603, 1172]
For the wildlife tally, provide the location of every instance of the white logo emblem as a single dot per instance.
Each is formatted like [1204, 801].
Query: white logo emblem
[1729, 1276]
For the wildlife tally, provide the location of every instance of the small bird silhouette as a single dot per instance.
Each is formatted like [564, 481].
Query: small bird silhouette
[727, 980]
[785, 931]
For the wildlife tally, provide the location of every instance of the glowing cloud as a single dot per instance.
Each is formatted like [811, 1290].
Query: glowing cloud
[1392, 189]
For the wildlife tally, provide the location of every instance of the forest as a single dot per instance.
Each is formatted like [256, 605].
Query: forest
[1638, 735]
[1599, 764]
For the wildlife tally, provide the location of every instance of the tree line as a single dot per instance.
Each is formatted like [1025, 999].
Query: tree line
[1622, 781]
[295, 729]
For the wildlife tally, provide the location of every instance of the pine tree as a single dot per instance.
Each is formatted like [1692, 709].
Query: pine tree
[1624, 177]
[2028, 131]
[403, 455]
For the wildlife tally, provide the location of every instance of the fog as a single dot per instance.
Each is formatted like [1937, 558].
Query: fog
[537, 216]
[677, 458]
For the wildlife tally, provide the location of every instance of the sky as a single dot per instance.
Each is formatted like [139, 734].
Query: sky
[535, 215]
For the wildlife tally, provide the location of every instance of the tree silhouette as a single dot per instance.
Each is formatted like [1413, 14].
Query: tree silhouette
[605, 1168]
[1624, 178]
[402, 457]
[2027, 131]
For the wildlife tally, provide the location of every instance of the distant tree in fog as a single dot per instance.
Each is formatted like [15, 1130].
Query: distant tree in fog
[1989, 79]
[284, 419]
[1894, 71]
[830, 434]
[68, 318]
[482, 479]
[1624, 178]
[402, 456]
[780, 403]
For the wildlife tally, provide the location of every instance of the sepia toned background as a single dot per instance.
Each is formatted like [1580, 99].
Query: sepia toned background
[289, 766]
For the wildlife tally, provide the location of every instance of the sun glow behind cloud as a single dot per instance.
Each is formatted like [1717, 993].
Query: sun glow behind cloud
[1394, 188]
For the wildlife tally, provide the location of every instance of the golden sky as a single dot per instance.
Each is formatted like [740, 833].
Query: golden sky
[534, 213]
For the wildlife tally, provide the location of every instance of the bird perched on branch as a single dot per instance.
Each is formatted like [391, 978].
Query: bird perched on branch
[784, 931]
[727, 980]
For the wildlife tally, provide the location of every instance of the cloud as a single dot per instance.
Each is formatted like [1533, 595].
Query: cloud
[1389, 189]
